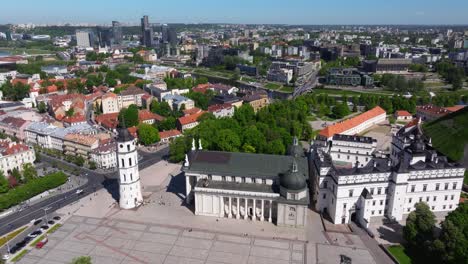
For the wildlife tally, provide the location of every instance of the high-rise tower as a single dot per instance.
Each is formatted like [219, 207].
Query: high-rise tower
[129, 177]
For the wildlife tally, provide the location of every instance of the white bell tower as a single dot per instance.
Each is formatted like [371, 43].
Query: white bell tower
[129, 177]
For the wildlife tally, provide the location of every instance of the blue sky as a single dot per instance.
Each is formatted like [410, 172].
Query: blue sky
[238, 11]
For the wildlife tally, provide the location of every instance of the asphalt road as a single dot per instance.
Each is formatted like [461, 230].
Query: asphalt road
[96, 181]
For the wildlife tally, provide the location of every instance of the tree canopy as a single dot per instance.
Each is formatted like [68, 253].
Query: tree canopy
[129, 115]
[147, 134]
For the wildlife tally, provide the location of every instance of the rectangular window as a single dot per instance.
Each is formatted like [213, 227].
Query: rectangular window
[446, 186]
[210, 177]
[434, 198]
[348, 157]
[444, 207]
[454, 185]
[351, 193]
[437, 186]
[243, 179]
[380, 212]
[373, 203]
[409, 209]
[324, 196]
[410, 200]
[373, 212]
[427, 199]
[130, 161]
[413, 187]
[420, 199]
[379, 190]
[451, 197]
[344, 206]
[433, 208]
[123, 162]
[450, 206]
[325, 184]
[446, 197]
[386, 190]
[424, 187]
[381, 202]
[223, 178]
[372, 191]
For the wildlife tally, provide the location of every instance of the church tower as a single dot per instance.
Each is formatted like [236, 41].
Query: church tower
[129, 177]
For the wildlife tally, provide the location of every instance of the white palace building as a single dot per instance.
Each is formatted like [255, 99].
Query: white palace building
[247, 186]
[349, 182]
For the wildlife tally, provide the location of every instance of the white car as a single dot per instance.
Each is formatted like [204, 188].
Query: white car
[79, 191]
[6, 257]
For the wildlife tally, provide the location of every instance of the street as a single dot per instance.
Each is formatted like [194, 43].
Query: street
[96, 181]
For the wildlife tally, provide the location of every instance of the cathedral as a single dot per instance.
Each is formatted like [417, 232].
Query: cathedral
[246, 186]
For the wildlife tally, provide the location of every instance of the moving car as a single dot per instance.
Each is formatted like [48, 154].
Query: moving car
[79, 191]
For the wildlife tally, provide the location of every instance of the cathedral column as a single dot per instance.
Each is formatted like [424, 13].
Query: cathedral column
[254, 215]
[245, 209]
[238, 208]
[230, 208]
[269, 215]
[263, 210]
[221, 203]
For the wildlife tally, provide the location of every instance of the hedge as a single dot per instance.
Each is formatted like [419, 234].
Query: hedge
[32, 188]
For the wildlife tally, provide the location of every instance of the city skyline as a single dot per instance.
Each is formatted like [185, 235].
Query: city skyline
[301, 12]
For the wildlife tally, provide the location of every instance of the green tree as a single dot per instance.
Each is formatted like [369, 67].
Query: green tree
[177, 149]
[29, 172]
[42, 107]
[419, 229]
[168, 123]
[161, 108]
[147, 134]
[79, 160]
[227, 140]
[70, 112]
[17, 175]
[4, 185]
[82, 260]
[341, 110]
[129, 115]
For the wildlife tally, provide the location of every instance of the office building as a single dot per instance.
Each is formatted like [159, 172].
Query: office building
[117, 32]
[84, 38]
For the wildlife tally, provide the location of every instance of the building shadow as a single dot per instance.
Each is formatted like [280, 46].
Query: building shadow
[391, 232]
[177, 186]
[112, 187]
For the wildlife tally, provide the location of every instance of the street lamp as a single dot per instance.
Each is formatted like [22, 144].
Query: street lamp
[45, 213]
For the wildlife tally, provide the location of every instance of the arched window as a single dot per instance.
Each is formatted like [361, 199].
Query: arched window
[123, 162]
[131, 177]
[130, 161]
[125, 177]
[128, 147]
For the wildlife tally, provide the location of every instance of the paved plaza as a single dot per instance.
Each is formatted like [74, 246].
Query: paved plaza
[165, 230]
[118, 241]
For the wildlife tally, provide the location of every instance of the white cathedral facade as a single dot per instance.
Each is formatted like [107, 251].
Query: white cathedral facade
[349, 182]
[129, 177]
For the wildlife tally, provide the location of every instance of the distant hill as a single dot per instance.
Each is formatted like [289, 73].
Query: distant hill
[450, 134]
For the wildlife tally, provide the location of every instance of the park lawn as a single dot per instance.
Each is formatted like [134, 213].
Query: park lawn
[11, 235]
[273, 86]
[399, 253]
[20, 255]
[287, 89]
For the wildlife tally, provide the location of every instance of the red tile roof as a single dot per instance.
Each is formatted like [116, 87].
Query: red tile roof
[169, 133]
[108, 120]
[403, 113]
[192, 111]
[148, 115]
[343, 126]
[190, 118]
[455, 108]
[133, 131]
[217, 107]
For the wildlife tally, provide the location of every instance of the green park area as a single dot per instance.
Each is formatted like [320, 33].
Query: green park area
[398, 252]
[31, 188]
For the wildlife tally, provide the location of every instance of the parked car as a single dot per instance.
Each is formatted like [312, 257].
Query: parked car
[36, 221]
[44, 228]
[41, 243]
[51, 222]
[79, 191]
[14, 249]
[6, 257]
[57, 218]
